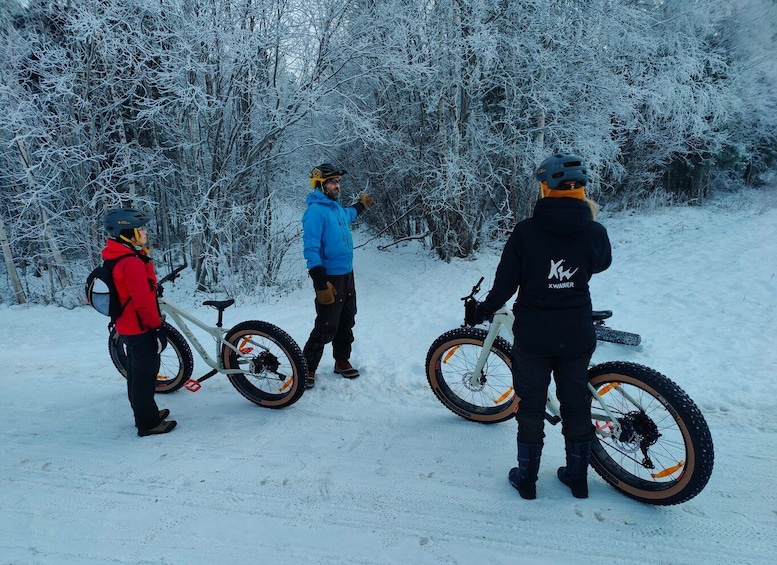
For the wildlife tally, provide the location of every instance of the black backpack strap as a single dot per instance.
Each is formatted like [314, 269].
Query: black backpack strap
[110, 264]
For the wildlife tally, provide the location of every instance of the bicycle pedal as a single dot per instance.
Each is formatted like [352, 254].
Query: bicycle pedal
[192, 386]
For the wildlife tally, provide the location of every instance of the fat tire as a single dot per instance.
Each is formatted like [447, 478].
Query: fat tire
[446, 388]
[669, 399]
[180, 366]
[276, 393]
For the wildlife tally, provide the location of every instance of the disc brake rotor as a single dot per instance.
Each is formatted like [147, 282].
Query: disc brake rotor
[477, 386]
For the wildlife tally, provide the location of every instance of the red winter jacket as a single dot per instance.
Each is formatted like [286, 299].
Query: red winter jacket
[135, 280]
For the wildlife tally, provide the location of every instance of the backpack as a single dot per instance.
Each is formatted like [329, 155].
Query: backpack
[101, 292]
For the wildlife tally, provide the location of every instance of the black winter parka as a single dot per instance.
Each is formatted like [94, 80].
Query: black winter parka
[550, 258]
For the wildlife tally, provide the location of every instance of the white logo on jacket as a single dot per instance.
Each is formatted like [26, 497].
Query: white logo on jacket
[558, 272]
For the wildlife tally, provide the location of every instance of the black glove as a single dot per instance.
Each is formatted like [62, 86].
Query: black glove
[161, 338]
[476, 313]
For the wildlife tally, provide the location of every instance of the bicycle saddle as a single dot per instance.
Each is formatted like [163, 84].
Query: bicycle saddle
[219, 305]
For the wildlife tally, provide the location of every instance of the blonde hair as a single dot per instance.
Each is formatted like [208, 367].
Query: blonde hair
[593, 206]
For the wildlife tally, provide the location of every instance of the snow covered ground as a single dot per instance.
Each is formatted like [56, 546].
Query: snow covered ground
[376, 470]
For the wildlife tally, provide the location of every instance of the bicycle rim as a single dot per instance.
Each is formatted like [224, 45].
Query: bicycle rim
[175, 362]
[450, 367]
[271, 362]
[664, 454]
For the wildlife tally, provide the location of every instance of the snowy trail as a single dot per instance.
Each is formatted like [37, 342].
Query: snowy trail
[376, 471]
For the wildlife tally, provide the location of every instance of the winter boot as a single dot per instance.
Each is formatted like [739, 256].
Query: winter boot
[310, 380]
[575, 474]
[524, 476]
[163, 427]
[343, 367]
[163, 413]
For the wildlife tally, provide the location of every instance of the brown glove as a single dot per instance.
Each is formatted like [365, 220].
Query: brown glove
[326, 296]
[366, 200]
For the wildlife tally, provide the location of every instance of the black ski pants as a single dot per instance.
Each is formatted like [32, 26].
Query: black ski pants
[142, 370]
[334, 323]
[531, 379]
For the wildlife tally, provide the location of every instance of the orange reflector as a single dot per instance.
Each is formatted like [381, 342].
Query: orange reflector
[505, 396]
[450, 354]
[162, 377]
[285, 385]
[243, 343]
[668, 471]
[605, 389]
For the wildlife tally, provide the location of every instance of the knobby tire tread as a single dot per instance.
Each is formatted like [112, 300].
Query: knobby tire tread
[690, 421]
[290, 349]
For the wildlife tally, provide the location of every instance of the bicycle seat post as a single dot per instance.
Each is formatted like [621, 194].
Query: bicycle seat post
[219, 305]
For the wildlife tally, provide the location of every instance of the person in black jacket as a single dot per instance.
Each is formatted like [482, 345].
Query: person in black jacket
[549, 258]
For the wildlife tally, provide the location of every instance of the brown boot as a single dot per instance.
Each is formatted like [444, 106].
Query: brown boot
[163, 427]
[310, 380]
[343, 367]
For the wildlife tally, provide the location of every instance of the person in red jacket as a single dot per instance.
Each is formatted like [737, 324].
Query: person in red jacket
[140, 322]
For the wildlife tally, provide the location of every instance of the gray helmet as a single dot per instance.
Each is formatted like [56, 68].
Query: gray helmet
[120, 219]
[561, 168]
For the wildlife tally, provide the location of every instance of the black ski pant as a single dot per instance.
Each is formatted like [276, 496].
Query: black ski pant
[142, 370]
[334, 323]
[531, 379]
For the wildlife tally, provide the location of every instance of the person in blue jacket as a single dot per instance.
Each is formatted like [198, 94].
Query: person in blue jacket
[549, 259]
[328, 252]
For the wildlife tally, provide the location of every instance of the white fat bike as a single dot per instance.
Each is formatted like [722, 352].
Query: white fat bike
[261, 360]
[652, 442]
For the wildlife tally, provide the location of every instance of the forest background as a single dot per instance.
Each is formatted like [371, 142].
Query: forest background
[211, 114]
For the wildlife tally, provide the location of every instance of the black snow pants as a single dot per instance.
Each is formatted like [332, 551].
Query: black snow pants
[531, 379]
[334, 323]
[142, 370]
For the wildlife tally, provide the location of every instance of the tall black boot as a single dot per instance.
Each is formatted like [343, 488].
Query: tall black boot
[524, 476]
[575, 474]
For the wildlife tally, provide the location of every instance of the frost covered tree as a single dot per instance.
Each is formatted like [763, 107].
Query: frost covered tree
[211, 113]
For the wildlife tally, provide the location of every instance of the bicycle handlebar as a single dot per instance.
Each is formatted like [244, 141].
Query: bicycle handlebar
[475, 290]
[172, 275]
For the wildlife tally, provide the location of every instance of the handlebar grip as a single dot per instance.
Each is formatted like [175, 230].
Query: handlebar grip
[172, 275]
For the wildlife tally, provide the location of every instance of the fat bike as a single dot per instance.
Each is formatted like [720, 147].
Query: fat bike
[652, 441]
[261, 360]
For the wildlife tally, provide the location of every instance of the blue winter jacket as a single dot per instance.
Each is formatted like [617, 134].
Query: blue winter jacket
[326, 234]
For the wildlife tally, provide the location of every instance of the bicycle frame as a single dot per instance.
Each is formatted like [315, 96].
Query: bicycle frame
[180, 316]
[503, 321]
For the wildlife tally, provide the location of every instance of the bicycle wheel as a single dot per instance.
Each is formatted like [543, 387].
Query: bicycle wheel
[176, 361]
[664, 454]
[273, 367]
[450, 364]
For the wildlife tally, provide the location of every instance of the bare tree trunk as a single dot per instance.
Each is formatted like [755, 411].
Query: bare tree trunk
[44, 219]
[9, 264]
[55, 252]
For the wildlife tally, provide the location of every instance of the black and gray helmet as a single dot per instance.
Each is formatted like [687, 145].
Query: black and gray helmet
[319, 175]
[559, 168]
[120, 219]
